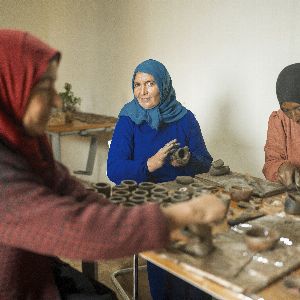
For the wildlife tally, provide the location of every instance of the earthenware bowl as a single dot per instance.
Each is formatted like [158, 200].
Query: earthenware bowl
[103, 187]
[132, 184]
[259, 238]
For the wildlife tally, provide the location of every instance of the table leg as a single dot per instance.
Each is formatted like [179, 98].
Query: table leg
[55, 142]
[135, 276]
[91, 157]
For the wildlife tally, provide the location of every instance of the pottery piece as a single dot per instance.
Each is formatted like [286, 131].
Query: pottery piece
[140, 192]
[147, 186]
[103, 187]
[179, 198]
[117, 199]
[240, 193]
[181, 155]
[196, 186]
[120, 187]
[132, 184]
[184, 179]
[159, 190]
[218, 163]
[292, 204]
[121, 193]
[259, 238]
[137, 199]
[159, 198]
[219, 171]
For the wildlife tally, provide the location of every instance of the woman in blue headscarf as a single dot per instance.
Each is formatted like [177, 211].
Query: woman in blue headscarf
[149, 128]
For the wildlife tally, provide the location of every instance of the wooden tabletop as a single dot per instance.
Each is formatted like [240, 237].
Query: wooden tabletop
[203, 281]
[80, 124]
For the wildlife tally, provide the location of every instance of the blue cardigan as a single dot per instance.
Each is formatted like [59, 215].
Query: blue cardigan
[133, 144]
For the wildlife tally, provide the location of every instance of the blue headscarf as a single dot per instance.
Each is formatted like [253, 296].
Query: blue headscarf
[168, 110]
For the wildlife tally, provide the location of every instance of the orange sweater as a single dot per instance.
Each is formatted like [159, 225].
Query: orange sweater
[283, 144]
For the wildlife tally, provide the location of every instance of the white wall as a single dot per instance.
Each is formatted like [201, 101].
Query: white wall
[223, 56]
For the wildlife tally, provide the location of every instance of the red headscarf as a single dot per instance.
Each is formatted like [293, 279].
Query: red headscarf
[23, 60]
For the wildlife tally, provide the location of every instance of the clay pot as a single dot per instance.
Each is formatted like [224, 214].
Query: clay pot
[137, 199]
[119, 187]
[159, 190]
[121, 193]
[147, 186]
[184, 179]
[117, 199]
[158, 198]
[103, 187]
[292, 204]
[132, 184]
[196, 186]
[240, 193]
[179, 198]
[140, 192]
[259, 238]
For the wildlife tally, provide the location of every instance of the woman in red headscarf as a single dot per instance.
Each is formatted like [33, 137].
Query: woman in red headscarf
[45, 212]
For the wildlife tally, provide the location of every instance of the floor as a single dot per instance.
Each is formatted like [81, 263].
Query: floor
[106, 268]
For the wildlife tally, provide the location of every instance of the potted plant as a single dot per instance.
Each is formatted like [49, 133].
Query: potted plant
[70, 102]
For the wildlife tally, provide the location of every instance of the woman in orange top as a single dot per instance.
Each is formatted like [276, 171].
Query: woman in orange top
[282, 149]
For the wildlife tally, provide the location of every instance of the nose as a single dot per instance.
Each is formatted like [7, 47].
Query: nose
[144, 90]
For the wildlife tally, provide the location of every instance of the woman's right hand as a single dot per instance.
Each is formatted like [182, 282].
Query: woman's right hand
[158, 159]
[286, 173]
[201, 210]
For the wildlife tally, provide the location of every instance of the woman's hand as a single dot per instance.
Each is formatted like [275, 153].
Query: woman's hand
[201, 210]
[286, 174]
[158, 160]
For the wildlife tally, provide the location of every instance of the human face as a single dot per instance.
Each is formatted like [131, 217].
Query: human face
[43, 97]
[292, 110]
[146, 90]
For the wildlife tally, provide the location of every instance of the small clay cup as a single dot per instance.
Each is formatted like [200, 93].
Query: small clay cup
[240, 193]
[140, 192]
[292, 204]
[132, 184]
[103, 187]
[179, 198]
[147, 186]
[159, 190]
[196, 186]
[118, 187]
[158, 198]
[122, 193]
[259, 238]
[137, 199]
[117, 199]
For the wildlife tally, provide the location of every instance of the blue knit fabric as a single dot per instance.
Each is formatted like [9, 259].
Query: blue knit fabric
[169, 109]
[133, 144]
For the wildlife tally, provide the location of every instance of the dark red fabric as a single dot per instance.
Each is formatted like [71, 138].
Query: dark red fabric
[23, 60]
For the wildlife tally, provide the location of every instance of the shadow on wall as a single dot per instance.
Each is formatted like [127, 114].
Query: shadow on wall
[228, 139]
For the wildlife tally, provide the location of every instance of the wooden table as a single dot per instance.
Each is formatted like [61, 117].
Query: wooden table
[203, 281]
[86, 129]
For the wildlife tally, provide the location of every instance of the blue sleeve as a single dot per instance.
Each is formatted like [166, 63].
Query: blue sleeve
[120, 163]
[200, 160]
